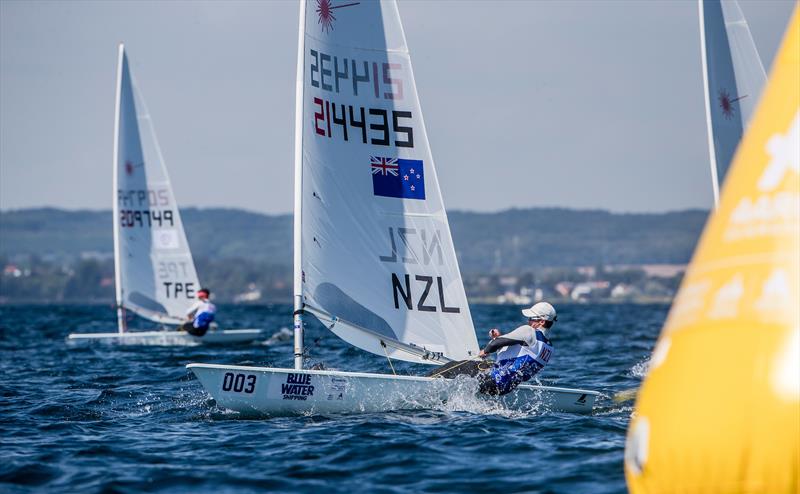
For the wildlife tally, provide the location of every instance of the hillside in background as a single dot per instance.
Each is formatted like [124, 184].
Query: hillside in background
[502, 242]
[520, 239]
[515, 256]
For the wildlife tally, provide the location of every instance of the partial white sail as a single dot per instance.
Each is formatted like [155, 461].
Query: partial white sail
[377, 261]
[733, 77]
[156, 276]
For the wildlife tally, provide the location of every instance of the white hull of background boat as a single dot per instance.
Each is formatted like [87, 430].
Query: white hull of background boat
[280, 392]
[171, 338]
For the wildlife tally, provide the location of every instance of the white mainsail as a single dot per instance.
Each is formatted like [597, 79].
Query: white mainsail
[155, 273]
[733, 77]
[376, 262]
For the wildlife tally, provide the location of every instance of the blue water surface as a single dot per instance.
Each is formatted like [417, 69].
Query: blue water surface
[109, 418]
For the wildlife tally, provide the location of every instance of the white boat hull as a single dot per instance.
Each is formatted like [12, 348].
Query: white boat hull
[275, 392]
[171, 338]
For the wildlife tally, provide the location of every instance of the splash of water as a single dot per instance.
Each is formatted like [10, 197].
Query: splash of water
[461, 395]
[640, 369]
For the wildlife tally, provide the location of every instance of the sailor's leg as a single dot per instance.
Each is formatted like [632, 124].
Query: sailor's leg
[500, 380]
[487, 385]
[196, 331]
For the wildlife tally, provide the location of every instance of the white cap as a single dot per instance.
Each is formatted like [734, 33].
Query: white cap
[542, 310]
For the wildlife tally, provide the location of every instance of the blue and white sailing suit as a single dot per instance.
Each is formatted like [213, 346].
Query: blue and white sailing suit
[203, 313]
[520, 355]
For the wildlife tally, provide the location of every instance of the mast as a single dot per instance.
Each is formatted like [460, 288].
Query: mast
[121, 324]
[298, 193]
[712, 154]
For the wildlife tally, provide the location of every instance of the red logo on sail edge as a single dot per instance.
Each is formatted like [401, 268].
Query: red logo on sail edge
[130, 167]
[726, 103]
[325, 12]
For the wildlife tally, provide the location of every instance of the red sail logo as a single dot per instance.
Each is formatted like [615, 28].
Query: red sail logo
[325, 12]
[726, 103]
[130, 167]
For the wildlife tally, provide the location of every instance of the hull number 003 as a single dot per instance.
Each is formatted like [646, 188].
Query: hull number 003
[239, 383]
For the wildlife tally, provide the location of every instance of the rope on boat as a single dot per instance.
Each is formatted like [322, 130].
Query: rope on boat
[387, 357]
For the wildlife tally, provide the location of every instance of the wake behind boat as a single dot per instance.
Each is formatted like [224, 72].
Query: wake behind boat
[155, 274]
[374, 257]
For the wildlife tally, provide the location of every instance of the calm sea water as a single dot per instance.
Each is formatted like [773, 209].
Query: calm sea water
[107, 418]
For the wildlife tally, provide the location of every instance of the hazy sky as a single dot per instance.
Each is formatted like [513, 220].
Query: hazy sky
[582, 104]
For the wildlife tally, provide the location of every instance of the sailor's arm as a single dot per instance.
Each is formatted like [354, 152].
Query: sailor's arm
[498, 342]
[192, 310]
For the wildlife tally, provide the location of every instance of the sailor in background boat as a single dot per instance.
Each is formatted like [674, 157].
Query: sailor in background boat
[200, 315]
[521, 354]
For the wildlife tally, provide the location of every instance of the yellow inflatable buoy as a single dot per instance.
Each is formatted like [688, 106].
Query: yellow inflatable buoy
[720, 408]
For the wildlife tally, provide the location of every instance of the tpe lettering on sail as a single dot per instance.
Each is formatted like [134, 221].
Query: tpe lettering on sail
[174, 275]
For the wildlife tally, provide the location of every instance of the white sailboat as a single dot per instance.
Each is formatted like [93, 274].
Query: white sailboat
[374, 258]
[733, 77]
[155, 273]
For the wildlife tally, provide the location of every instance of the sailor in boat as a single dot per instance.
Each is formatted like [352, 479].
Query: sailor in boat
[200, 315]
[521, 354]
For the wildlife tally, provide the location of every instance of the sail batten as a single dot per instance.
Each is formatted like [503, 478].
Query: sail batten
[375, 242]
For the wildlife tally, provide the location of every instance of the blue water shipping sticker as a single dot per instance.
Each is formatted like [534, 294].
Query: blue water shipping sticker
[297, 387]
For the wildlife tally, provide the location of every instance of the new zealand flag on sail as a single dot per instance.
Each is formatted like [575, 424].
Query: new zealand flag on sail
[397, 177]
